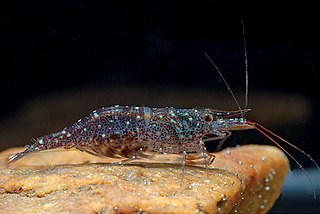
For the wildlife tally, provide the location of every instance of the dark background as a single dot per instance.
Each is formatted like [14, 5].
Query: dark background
[48, 48]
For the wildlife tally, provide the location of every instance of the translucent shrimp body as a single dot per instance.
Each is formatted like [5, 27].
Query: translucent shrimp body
[124, 132]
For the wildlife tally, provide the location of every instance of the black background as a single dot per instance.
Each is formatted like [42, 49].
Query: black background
[49, 47]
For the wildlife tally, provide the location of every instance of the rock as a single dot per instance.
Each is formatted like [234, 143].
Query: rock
[243, 179]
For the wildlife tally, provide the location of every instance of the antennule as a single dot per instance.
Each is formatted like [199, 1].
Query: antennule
[246, 64]
[226, 83]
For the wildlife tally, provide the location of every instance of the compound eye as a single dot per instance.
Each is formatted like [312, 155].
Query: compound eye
[208, 118]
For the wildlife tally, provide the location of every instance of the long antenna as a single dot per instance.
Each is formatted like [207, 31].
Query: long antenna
[246, 64]
[266, 131]
[225, 82]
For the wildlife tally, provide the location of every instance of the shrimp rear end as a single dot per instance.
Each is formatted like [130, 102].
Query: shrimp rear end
[117, 132]
[30, 149]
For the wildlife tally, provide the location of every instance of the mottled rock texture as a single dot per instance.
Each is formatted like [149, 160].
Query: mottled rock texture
[243, 179]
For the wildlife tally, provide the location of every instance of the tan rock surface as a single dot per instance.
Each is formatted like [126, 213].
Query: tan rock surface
[243, 179]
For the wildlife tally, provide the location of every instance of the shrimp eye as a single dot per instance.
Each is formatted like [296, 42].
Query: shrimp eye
[208, 118]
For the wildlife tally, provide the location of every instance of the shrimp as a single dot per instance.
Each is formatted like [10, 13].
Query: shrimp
[127, 131]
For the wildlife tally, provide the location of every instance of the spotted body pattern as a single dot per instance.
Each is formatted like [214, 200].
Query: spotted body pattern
[124, 132]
